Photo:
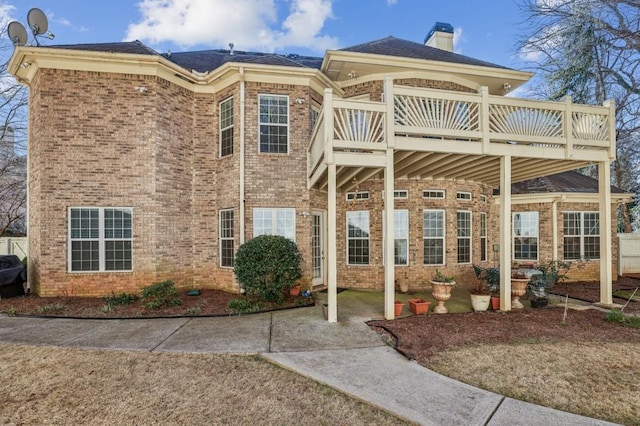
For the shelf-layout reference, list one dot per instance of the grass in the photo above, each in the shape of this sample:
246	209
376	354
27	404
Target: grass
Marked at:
602	384
67	386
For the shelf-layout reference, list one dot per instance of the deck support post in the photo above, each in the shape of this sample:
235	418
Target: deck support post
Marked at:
604	192
505	233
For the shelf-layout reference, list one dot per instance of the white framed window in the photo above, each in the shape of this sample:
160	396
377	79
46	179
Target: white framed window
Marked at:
525	236
274	124
463	196
227	244
433	194
483	198
581	235
280	221
401	194
433	232
360	195
401	237
226	127
100	239
358	237
483	237
463	219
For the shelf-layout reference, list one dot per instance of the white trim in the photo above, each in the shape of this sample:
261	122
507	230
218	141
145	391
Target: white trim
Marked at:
469	238
443	237
291	212
536	236
433	194
463	196
484	237
404	237
260	96
581	236
221	238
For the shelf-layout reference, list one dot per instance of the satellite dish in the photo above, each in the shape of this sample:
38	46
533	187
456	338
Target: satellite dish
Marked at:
37	21
17	33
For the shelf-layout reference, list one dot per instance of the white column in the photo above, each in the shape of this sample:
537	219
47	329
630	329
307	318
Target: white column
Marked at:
606	273
505	233
332	259
388	228
242	159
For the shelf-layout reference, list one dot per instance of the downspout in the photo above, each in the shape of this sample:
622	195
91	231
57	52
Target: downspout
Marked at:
554	225
242	200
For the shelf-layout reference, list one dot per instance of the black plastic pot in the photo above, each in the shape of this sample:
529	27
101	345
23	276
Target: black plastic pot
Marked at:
539	303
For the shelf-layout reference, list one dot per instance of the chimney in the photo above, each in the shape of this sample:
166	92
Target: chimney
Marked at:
440	36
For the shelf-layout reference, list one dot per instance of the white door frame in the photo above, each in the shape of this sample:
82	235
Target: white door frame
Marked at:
318	280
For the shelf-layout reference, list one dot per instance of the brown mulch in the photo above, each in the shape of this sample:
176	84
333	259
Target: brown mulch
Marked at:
420	337
208	303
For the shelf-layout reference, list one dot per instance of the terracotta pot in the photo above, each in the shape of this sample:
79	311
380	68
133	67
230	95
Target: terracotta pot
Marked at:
518	289
480	302
398	306
295	290
495	303
419	306
441	292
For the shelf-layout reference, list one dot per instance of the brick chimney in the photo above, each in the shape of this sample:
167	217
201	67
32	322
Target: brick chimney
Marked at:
440	37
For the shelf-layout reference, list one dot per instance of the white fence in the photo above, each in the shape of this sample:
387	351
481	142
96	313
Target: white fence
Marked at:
629	248
14	245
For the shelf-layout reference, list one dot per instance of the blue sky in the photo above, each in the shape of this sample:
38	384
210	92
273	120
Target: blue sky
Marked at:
484	29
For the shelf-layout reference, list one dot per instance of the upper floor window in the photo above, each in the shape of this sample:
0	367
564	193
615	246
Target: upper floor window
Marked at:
463	196
100	239
433	193
226	127
525	236
581	235
275	222
359	195
274	124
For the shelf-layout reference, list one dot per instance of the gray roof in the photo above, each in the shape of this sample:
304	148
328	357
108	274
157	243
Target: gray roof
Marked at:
207	60
134	47
570	181
392	46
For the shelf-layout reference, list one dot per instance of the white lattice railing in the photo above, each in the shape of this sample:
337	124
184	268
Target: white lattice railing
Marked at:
359	121
516	121
590	126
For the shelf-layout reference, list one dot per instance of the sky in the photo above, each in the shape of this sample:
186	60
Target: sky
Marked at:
484	29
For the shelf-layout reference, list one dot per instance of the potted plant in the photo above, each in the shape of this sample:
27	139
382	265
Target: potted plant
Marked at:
419	306
398	308
519	282
539	285
441	286
480	296
490	276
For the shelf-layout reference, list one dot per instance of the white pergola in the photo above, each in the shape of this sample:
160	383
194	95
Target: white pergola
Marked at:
430	133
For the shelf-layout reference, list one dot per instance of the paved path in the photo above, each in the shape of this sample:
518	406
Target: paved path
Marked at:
347	356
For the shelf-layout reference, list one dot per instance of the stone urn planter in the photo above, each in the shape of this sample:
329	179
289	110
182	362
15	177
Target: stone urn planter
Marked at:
419	306
480	302
518	289
441	292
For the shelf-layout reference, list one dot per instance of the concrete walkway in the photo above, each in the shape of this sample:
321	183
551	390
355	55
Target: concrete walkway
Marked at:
347	356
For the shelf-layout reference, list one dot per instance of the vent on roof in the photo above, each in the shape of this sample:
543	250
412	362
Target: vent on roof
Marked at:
230	48
440	36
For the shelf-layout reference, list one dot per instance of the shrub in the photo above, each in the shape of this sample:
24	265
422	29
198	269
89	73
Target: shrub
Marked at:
242	305
160	294
268	265
120	299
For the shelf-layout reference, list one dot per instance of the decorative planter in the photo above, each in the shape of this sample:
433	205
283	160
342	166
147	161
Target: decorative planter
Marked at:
539	303
495	303
480	302
518	289
441	292
404	286
295	290
398	306
419	306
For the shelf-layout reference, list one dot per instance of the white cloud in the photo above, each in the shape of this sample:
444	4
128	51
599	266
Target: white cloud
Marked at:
249	24
5	14
545	41
391	2
457	40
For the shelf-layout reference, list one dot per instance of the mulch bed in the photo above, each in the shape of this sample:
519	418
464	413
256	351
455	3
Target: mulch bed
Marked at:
208	303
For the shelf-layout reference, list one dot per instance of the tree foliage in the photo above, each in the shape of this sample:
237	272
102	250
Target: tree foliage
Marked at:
590	50
268	265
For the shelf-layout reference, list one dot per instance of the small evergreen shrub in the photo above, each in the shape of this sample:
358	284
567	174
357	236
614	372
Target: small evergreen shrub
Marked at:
242	305
267	266
121	299
160	294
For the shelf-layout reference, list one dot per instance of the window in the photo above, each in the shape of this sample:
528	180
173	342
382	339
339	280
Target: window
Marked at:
226	127
463	196
483	198
581	235
227	251
464	236
358	238
274	124
100	239
275	222
360	195
433	193
433	237
401	194
401	237
525	236
483	237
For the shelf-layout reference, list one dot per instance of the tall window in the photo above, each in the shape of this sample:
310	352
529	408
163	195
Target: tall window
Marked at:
227	249
525	236
464	236
433	237
274	124
358	238
226	127
275	222
483	237
401	237
100	239
581	235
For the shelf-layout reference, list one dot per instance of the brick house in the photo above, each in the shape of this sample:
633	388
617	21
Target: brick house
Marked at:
146	166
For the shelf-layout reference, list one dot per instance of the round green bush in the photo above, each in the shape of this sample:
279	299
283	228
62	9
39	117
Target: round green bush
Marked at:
267	266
